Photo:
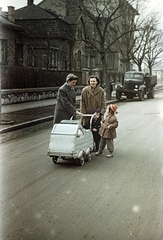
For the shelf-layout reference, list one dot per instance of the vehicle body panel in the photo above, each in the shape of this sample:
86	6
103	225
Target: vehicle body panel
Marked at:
69	139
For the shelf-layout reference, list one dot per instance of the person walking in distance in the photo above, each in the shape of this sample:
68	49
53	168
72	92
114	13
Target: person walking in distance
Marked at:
107	131
66	100
92	98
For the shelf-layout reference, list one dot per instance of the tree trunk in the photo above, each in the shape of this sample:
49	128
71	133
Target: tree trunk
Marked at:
150	69
139	66
105	78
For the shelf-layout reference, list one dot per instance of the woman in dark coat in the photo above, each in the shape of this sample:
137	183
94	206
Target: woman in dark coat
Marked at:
66	100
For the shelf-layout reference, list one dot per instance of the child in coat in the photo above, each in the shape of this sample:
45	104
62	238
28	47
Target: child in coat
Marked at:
95	126
107	131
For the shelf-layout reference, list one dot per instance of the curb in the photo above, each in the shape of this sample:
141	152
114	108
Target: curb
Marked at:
25	124
36	121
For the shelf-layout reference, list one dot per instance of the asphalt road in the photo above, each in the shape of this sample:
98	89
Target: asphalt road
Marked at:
106	199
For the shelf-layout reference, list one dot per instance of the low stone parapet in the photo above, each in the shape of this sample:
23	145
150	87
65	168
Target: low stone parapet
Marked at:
11	96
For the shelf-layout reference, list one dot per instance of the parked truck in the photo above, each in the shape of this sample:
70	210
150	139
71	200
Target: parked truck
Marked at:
136	84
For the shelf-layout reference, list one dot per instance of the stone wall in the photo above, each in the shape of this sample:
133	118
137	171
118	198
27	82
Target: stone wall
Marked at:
32	94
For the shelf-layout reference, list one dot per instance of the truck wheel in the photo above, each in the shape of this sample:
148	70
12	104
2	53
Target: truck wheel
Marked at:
149	95
141	95
118	95
152	93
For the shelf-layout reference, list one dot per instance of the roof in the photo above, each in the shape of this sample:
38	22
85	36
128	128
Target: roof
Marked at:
33	12
71	19
43	23
46	28
4	21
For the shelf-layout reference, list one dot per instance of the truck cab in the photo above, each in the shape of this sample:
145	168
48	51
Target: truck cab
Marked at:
136	84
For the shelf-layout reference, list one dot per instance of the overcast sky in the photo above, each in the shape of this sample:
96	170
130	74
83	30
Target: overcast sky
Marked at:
153	4
15	3
157	6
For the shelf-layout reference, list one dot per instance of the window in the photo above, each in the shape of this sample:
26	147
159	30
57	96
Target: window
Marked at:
3	51
92	62
79	60
79	34
53	61
138	76
64	59
42	58
19	54
86	62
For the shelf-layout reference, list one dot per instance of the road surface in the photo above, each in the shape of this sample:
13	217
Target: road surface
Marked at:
106	199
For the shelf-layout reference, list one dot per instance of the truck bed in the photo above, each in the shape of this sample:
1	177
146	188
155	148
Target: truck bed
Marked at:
151	81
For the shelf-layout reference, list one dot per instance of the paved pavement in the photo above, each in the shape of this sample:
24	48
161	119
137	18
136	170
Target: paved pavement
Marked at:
5	109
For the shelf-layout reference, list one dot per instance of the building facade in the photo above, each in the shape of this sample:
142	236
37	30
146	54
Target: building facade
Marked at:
10	39
52	36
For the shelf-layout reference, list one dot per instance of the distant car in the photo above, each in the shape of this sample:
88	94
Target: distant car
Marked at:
69	140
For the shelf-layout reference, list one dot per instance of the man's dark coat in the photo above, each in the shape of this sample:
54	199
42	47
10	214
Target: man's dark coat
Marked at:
66	103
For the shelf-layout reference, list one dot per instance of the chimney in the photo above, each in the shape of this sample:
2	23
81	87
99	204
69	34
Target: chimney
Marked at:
11	14
30	2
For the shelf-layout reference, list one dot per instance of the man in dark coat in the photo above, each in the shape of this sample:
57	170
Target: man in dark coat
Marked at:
66	100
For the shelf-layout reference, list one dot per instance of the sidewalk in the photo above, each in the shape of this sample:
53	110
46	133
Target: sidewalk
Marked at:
17	116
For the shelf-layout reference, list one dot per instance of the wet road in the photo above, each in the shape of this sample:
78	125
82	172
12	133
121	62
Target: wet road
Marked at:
106	199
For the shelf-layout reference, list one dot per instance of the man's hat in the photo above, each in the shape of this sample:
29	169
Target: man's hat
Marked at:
71	76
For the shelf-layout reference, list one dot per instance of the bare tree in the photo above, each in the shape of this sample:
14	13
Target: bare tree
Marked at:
155	48
129	37
101	23
148	43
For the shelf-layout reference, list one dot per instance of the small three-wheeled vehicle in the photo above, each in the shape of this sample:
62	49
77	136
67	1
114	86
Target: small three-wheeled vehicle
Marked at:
69	140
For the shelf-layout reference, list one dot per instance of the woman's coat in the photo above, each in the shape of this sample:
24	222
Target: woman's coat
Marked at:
106	132
92	100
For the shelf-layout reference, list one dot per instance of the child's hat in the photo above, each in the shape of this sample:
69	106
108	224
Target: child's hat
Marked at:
113	107
96	111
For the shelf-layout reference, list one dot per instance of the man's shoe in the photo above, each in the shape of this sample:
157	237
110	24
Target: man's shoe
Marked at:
98	153
109	155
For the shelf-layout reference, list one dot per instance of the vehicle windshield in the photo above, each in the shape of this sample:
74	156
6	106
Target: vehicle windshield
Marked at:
65	129
138	76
